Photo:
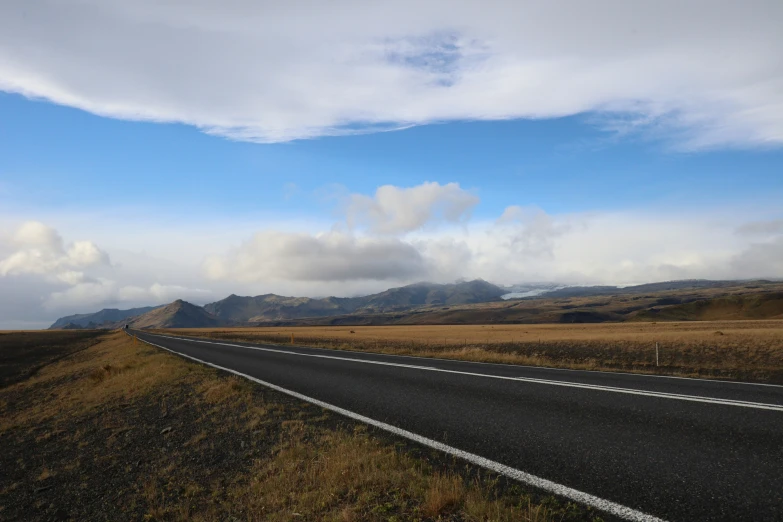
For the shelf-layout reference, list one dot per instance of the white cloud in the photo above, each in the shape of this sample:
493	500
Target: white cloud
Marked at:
523	244
40	250
159	293
395	210
334	256
93	295
529	231
265	71
59	277
42	277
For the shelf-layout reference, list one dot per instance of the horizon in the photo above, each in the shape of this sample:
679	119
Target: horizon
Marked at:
251	150
506	297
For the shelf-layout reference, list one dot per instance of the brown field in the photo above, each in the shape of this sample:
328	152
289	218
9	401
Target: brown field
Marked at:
121	430
749	350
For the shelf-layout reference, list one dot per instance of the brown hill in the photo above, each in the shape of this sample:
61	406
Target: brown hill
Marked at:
98	319
755	300
271	307
757	306
179	314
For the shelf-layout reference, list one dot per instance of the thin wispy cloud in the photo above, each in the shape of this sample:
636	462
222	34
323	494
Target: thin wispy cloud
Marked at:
698	74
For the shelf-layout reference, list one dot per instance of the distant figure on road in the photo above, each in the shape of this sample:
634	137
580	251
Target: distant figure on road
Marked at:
126	326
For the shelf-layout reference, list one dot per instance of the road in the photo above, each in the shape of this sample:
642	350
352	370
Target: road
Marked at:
640	447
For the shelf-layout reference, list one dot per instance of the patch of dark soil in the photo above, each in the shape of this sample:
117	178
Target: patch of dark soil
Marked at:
127	460
581	316
22	354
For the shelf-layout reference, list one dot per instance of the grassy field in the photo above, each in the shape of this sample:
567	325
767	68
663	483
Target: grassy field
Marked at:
112	429
749	350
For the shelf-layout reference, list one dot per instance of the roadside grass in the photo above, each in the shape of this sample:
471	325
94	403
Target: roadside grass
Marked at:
23	353
744	350
122	430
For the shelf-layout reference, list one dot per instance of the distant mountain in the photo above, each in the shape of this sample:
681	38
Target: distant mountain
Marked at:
97	319
179	314
472	302
423	294
271	307
688	284
739	300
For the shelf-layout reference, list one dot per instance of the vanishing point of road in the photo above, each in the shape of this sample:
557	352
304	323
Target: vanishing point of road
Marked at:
639	447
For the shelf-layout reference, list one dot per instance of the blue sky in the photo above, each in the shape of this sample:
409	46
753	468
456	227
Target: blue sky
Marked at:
53	156
201	150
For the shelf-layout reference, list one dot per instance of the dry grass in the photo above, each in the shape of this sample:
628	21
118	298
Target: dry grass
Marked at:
107	372
45	474
750	350
352	476
289	460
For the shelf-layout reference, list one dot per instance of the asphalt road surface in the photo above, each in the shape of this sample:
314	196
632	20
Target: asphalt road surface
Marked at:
640	447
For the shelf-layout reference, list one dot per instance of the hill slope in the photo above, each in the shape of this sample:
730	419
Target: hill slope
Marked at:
759	306
757	300
271	307
674	286
179	314
107	315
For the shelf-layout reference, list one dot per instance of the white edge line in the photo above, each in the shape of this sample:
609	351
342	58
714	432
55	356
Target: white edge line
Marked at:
607	372
532	380
607	506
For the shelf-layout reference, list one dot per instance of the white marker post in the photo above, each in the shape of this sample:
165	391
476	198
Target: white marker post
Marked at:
656	354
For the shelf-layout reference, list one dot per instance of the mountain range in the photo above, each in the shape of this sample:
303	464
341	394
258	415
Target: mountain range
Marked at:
106	317
472	302
236	309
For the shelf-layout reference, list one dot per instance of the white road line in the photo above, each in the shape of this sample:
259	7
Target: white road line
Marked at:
532	380
575	370
607	506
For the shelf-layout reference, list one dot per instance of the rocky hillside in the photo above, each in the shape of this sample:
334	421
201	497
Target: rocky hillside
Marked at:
98	319
271	307
179	314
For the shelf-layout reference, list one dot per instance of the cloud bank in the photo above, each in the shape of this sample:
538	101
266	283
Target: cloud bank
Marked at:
696	74
42	276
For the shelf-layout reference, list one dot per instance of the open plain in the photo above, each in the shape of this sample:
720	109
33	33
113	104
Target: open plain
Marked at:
744	350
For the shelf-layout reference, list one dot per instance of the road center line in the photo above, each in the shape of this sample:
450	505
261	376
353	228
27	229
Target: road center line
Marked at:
618	510
532	380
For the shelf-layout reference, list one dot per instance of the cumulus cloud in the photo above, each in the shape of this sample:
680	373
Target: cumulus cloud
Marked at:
529	231
332	256
396	210
271	72
523	244
40	250
42	276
